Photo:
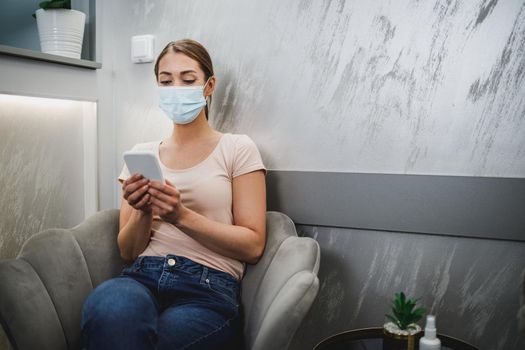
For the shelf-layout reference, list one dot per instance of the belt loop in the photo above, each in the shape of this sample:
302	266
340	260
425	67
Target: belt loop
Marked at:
204	275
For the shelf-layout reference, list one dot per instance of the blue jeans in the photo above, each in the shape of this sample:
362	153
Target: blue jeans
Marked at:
164	303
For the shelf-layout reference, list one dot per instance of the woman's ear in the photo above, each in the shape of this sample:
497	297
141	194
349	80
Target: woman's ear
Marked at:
210	87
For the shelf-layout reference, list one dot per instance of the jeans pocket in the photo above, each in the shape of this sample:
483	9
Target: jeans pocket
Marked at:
227	293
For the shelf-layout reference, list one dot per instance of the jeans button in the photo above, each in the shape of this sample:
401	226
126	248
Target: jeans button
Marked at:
171	262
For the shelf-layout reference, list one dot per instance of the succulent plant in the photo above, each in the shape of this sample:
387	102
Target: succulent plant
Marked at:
404	314
54	4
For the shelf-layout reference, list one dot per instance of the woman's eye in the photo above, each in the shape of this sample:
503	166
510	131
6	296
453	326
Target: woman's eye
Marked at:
165	82
189	81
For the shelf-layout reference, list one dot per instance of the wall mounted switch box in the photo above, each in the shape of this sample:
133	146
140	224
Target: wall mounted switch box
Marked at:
142	47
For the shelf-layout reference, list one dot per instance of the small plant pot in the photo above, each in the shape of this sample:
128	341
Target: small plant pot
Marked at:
61	31
397	339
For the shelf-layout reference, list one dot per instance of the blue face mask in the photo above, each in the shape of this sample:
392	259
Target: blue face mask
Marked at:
182	104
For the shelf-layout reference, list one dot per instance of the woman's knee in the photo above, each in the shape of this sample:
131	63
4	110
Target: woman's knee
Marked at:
188	327
119	300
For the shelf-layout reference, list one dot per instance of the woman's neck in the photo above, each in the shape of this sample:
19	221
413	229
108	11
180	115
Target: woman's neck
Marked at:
199	129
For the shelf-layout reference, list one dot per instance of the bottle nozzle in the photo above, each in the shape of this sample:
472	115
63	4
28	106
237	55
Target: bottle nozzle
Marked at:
430	327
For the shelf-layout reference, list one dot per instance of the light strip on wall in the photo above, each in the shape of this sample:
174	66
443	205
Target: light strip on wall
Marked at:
89	131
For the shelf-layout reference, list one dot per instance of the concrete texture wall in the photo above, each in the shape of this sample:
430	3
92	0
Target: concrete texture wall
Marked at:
471	285
405	87
42	173
419	87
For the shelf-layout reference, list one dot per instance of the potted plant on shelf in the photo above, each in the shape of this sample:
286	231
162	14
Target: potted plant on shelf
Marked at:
61	29
402	332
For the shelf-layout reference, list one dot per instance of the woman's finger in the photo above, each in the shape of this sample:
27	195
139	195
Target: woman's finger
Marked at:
170	199
136	196
131	179
134	186
170	190
143	203
163	206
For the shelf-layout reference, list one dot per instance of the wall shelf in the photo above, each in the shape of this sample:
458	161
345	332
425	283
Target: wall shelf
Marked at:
40	56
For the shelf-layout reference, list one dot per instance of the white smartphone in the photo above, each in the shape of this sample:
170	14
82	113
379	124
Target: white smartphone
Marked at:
144	163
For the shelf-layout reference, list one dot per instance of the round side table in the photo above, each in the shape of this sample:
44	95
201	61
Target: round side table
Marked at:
372	339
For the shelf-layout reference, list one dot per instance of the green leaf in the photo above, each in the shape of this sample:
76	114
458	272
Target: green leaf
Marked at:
399	315
391	318
55	4
397	302
420	311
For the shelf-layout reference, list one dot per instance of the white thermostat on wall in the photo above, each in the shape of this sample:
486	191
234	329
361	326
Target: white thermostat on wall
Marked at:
142	47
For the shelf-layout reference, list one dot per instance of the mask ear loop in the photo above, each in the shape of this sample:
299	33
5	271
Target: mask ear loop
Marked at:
207	110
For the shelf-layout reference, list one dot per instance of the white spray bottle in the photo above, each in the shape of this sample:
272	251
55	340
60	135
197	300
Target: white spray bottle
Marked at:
429	341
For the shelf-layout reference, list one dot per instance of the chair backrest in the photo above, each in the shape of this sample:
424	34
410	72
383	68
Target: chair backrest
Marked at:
44	288
278	291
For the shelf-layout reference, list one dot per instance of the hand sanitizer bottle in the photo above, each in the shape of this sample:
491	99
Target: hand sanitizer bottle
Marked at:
429	340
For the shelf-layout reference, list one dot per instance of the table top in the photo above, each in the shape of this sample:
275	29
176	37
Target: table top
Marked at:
372	339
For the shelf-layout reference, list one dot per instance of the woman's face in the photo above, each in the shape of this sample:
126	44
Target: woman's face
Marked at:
177	69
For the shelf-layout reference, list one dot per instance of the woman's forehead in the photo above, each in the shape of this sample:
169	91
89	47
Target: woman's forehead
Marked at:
177	62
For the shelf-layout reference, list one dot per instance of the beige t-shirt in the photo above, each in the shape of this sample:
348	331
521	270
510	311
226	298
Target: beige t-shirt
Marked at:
205	188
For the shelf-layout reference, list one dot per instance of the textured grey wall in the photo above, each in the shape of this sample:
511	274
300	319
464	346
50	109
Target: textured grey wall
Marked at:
472	285
42	173
405	87
419	87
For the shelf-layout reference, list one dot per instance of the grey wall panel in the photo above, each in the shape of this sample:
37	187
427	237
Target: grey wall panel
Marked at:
472	285
447	205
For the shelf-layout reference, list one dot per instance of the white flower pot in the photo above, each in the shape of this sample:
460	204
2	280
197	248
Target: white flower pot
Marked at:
61	31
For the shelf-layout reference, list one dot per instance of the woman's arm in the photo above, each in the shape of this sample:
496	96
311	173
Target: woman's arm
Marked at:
244	240
135	218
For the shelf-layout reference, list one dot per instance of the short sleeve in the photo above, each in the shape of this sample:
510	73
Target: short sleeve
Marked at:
247	157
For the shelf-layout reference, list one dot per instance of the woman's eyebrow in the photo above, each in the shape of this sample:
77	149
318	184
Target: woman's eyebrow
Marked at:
183	72
188	71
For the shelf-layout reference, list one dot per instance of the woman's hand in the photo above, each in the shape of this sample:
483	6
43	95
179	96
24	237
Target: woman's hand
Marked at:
135	192
165	201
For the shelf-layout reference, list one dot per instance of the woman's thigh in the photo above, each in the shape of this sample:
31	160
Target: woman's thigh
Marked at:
196	326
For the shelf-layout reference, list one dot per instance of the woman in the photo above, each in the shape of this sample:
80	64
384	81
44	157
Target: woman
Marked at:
189	238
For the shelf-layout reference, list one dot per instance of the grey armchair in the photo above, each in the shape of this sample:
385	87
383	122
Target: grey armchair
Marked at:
42	291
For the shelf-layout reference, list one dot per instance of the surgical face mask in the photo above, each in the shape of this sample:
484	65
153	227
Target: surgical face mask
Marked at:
182	104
